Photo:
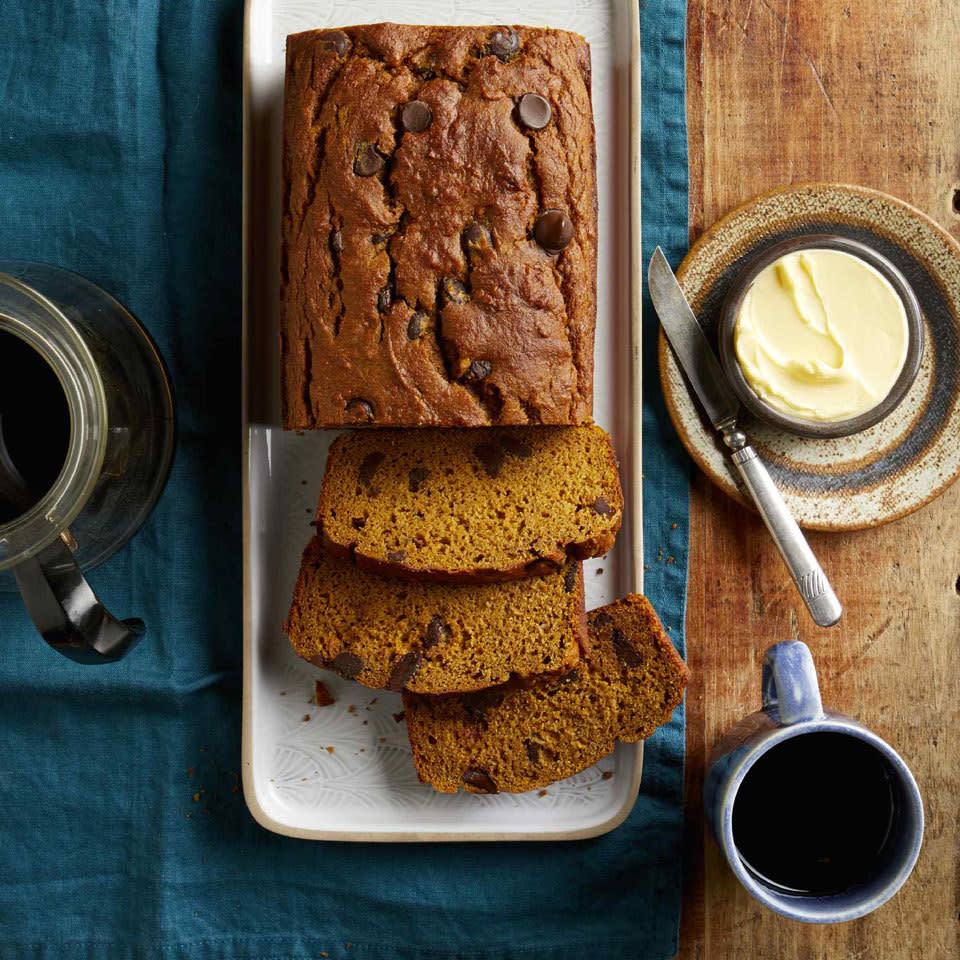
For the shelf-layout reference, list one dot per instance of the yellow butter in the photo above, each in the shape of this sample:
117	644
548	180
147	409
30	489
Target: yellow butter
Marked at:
822	335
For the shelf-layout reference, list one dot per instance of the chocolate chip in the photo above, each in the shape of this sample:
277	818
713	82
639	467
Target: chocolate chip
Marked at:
540	567
480	781
453	291
533	111
416	478
368	160
437	631
415	325
561	682
553	230
358	523
416	116
516	446
601	619
533	750
384	299
477	371
476	237
336	242
602	507
491	455
404	670
359	410
369	467
476	705
626	652
503	43
347	664
396	556
570	577
335	40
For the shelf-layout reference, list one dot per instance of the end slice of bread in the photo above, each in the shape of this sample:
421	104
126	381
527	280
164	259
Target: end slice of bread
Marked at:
519	738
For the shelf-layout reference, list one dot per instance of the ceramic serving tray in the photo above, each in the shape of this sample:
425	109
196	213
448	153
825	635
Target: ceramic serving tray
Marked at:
344	772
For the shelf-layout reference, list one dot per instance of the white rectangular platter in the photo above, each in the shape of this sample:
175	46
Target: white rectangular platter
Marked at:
344	772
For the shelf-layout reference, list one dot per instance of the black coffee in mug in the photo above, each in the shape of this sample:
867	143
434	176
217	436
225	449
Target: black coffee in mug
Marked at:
815	815
34	424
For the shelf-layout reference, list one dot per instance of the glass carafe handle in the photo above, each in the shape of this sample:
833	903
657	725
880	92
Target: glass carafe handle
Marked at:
68	613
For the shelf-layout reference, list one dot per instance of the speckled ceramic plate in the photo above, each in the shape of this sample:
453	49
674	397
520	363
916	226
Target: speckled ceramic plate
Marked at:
908	458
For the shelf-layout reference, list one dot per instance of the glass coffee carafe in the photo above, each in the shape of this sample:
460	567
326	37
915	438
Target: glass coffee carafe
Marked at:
86	441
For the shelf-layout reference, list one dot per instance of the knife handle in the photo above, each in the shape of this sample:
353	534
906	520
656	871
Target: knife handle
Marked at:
807	574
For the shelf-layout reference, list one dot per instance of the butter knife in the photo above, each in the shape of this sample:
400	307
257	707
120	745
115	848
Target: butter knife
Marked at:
697	359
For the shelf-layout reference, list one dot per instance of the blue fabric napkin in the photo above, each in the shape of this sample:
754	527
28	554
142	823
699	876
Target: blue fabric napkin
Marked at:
124	833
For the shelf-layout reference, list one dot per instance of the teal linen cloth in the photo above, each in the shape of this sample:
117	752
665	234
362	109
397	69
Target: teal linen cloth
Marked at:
120	153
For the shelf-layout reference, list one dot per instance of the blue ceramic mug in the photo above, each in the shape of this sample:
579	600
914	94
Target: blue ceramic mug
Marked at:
774	802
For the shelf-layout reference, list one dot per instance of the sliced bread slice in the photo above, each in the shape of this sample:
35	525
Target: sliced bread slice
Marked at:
523	737
434	637
469	506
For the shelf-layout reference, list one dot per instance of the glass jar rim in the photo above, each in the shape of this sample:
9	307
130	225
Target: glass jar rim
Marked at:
29	315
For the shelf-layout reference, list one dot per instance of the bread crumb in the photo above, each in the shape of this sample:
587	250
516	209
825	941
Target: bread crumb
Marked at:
283	693
400	717
196	798
607	774
542	793
236	789
190	771
673	526
599	571
329	749
351	709
321	695
306	717
671	560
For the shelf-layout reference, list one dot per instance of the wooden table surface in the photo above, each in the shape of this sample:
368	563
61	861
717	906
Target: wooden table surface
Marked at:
865	92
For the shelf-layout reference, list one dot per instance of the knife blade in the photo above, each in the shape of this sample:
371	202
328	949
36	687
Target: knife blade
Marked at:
697	359
689	343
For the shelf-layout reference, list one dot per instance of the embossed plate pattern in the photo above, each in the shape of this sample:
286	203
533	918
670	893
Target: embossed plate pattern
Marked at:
345	771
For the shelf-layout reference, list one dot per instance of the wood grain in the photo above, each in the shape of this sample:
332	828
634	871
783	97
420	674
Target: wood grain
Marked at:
784	91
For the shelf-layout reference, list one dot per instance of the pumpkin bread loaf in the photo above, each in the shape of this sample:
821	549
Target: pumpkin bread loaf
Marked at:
439	227
434	637
470	506
522	737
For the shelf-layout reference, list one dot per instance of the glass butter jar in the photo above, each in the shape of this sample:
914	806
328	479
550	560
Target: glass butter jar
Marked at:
119	446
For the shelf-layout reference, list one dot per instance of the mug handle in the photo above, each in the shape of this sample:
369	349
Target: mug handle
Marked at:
789	685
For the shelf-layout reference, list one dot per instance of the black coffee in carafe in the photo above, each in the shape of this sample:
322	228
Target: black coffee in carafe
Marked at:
34	426
814	816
